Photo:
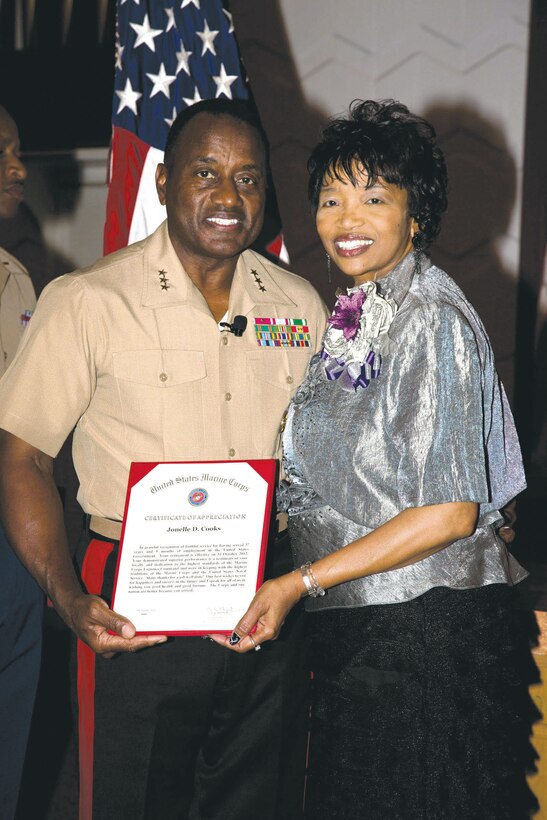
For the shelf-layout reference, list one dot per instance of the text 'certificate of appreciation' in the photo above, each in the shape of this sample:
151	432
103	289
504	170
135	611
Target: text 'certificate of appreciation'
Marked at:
193	544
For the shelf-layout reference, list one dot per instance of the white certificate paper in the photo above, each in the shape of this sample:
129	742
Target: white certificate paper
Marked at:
193	544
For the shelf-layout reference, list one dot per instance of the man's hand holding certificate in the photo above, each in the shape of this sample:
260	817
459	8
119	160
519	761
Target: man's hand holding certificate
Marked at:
193	544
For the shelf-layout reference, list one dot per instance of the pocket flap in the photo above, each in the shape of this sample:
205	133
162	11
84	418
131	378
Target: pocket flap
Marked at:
159	368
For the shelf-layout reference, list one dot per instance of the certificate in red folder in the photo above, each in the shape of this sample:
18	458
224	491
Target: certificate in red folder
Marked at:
193	544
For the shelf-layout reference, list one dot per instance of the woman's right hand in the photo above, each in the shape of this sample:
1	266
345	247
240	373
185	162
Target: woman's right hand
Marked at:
266	613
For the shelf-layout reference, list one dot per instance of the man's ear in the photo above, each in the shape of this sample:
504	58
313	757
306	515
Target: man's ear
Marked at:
161	181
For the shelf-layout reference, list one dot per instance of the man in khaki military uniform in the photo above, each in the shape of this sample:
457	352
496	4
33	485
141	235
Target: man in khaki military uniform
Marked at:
17	297
21	600
17	303
132	354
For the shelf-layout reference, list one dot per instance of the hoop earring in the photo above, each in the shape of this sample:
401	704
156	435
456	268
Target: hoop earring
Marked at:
329	278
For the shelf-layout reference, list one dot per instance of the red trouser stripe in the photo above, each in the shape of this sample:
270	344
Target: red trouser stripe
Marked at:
92	575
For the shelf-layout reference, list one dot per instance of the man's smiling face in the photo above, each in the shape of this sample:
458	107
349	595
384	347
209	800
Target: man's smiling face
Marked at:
214	188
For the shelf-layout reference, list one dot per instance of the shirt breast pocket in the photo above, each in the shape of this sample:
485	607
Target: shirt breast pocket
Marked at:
274	375
160	394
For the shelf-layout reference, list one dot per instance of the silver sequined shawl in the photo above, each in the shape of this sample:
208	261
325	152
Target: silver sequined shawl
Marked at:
435	427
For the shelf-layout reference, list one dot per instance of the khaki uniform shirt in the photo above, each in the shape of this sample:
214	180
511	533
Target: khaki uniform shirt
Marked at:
17	303
128	353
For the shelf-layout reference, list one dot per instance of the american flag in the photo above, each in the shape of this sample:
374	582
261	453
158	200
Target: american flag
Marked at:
169	55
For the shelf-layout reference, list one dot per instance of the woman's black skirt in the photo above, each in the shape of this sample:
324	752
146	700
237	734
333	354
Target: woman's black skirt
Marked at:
421	710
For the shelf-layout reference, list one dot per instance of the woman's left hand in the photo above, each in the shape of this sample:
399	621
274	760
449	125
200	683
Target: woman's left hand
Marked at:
266	614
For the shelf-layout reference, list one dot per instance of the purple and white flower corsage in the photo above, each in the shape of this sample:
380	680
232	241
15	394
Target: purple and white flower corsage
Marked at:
356	336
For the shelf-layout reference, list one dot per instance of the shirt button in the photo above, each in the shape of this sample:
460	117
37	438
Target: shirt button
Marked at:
231	452
228	396
290	379
224	340
163	377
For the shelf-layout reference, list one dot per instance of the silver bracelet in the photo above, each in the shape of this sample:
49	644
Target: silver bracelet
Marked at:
312	587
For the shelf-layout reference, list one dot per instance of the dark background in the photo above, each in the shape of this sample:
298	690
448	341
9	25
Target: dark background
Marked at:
59	85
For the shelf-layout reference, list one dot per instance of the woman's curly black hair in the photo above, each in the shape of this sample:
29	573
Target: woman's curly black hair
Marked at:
386	140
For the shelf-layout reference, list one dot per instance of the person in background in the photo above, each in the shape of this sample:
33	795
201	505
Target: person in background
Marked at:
17	296
400	451
131	353
21	599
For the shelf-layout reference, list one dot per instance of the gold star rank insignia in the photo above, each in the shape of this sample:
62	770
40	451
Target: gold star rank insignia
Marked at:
164	281
258	281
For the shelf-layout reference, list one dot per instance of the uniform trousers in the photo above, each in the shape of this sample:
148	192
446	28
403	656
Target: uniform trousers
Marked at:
188	729
21	613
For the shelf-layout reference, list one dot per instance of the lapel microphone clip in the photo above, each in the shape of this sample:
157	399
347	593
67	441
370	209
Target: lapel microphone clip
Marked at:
237	327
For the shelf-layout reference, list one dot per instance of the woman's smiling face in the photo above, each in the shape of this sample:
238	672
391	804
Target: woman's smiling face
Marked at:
367	231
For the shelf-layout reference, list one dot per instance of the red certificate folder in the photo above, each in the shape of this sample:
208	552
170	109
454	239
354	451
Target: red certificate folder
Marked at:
193	544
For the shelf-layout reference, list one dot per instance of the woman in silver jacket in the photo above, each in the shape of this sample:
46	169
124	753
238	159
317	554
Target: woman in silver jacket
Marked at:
399	452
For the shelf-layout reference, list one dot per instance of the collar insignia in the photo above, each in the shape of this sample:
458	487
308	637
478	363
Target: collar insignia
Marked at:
164	280
258	281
